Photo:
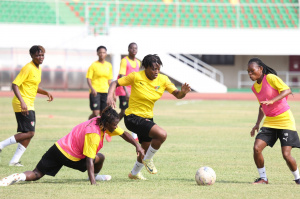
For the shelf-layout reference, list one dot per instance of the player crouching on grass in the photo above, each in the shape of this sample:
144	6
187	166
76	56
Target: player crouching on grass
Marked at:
78	150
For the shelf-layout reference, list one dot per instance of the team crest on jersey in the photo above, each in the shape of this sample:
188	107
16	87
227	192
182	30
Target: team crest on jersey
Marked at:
95	105
124	103
32	123
156	88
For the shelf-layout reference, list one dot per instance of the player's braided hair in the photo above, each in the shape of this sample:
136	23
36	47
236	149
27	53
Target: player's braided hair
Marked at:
108	115
149	60
36	48
266	69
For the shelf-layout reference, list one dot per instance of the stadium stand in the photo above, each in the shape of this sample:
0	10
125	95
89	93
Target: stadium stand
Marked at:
157	13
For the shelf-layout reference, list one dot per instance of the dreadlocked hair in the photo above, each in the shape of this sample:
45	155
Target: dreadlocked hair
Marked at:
108	115
149	60
266	69
36	48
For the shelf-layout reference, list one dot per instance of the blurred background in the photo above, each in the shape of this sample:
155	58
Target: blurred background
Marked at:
206	43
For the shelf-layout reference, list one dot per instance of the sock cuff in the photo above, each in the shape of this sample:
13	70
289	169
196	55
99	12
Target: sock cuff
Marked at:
22	176
152	149
12	139
139	163
21	147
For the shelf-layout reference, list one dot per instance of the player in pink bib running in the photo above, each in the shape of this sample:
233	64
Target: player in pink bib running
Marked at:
279	123
78	150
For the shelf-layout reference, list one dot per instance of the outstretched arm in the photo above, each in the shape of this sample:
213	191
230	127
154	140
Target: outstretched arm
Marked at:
282	95
43	92
128	138
259	118
185	88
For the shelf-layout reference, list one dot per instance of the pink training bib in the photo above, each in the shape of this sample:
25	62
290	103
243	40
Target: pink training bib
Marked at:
73	142
267	92
129	69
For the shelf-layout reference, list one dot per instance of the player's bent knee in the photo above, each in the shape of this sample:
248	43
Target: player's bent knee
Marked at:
257	149
163	136
100	158
286	155
31	134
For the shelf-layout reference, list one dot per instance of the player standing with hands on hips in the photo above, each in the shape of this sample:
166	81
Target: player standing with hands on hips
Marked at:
279	123
25	87
147	86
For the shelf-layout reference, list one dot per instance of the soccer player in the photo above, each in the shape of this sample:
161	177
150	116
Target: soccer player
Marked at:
147	86
279	123
78	150
128	64
25	87
99	76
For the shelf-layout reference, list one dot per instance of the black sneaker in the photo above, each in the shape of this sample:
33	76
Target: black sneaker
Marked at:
297	181
260	181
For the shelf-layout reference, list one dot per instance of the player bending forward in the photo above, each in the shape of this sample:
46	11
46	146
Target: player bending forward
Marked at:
78	150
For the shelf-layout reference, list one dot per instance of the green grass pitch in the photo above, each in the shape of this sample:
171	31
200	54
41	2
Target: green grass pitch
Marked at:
200	133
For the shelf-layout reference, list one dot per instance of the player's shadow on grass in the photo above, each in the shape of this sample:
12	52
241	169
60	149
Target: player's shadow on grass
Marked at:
235	182
218	181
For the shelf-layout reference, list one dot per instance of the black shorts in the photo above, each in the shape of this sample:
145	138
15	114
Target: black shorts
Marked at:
98	102
286	137
139	125
123	102
53	160
25	122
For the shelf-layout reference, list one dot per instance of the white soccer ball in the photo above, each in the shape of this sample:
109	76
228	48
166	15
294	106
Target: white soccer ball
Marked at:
205	176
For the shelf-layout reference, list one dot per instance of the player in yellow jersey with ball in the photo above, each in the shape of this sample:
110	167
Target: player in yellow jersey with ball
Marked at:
147	86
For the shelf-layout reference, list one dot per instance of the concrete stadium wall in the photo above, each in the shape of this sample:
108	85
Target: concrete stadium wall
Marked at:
273	46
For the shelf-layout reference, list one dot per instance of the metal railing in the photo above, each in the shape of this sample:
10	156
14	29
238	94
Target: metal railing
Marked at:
200	66
291	78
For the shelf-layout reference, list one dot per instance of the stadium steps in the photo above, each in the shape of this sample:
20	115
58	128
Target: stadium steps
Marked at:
183	73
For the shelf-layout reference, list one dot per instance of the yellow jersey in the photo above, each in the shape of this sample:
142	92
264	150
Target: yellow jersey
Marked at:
99	74
123	65
145	92
28	81
284	120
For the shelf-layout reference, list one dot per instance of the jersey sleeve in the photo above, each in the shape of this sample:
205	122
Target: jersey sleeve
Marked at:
22	76
123	67
170	87
117	131
90	72
127	80
91	143
277	83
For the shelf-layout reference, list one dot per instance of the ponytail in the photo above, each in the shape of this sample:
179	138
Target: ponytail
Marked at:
266	69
